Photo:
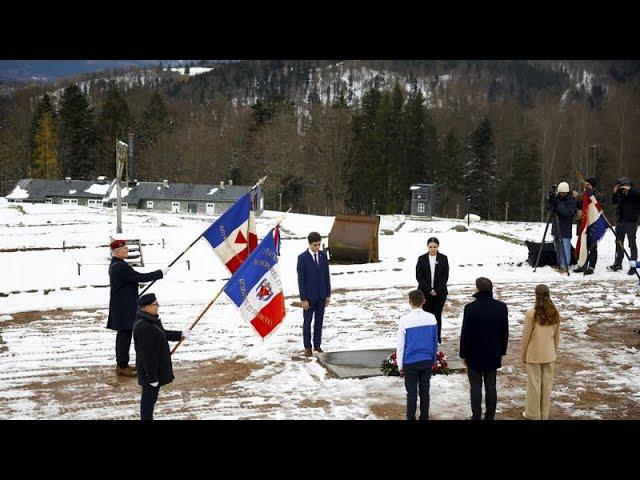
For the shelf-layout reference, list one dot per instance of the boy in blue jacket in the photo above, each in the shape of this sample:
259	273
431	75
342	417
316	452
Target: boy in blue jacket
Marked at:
416	351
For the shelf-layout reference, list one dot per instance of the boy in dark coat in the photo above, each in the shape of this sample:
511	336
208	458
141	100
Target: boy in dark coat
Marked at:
153	358
122	302
483	343
314	285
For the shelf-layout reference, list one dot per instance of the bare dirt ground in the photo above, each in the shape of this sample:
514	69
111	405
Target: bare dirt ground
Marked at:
58	364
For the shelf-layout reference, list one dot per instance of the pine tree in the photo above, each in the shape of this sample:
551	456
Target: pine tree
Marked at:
43	107
155	122
389	131
45	160
479	176
450	170
365	183
78	135
114	120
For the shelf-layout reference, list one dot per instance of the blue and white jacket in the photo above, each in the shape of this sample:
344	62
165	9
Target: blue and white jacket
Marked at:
417	338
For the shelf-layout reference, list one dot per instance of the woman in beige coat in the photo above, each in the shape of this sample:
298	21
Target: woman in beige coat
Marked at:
540	339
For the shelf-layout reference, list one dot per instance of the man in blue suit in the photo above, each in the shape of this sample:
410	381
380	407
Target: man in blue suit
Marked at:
315	291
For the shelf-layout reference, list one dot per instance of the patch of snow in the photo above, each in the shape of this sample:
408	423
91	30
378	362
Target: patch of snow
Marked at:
18	193
72	192
192	70
213	190
98	189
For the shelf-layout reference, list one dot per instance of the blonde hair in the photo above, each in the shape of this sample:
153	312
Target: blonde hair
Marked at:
545	312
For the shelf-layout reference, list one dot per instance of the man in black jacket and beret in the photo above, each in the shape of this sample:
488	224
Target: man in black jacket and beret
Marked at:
124	281
153	358
483	343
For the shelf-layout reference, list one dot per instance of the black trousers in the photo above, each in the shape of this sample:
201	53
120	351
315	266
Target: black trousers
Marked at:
148	401
123	344
435	305
629	229
416	378
491	395
592	258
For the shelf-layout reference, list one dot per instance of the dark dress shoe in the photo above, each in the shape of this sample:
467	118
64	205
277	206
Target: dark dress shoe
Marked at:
614	268
632	271
308	352
578	270
126	371
319	350
588	271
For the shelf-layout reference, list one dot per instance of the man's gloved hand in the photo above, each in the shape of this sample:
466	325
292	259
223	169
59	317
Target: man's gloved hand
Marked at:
186	334
165	271
154	384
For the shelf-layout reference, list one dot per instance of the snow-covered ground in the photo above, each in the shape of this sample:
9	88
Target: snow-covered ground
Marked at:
56	357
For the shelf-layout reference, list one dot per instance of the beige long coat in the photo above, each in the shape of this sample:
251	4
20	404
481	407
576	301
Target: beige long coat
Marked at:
539	342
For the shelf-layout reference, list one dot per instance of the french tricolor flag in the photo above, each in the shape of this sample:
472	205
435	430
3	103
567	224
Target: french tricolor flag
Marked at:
593	226
233	236
256	288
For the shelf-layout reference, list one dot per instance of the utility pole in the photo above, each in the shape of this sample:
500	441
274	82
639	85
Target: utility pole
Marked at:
122	150
280	195
506	212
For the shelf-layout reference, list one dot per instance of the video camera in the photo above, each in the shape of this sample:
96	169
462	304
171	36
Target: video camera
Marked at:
553	191
623	182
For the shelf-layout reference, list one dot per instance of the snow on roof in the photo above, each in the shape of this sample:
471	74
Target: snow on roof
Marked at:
213	190
98	189
72	192
18	193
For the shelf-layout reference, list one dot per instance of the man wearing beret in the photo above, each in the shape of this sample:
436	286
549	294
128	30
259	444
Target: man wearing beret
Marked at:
153	359
124	282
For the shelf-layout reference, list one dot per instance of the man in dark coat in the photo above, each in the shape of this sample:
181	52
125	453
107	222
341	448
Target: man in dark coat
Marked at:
563	208
435	292
627	199
314	285
123	302
483	343
153	358
588	268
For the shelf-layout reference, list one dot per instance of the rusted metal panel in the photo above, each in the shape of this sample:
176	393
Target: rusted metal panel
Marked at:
354	239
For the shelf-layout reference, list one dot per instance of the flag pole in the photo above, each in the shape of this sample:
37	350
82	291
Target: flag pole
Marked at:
257	184
581	178
213	300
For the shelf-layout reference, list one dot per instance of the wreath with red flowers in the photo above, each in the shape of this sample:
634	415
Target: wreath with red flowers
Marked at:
389	365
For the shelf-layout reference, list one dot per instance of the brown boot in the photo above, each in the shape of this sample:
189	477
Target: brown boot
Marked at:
319	350
308	352
126	371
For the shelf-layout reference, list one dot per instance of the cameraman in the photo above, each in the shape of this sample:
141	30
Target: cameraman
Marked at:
628	200
563	208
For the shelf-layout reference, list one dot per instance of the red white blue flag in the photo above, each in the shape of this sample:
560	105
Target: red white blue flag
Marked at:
593	226
233	236
255	288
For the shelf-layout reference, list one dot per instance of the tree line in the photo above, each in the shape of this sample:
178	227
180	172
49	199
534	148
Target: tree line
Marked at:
483	147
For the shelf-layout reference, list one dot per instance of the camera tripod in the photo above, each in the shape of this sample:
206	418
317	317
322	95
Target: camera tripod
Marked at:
553	216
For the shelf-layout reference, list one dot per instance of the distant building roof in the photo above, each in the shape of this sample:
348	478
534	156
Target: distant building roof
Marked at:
178	191
37	189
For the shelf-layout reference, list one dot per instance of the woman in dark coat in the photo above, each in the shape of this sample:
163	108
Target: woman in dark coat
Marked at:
432	273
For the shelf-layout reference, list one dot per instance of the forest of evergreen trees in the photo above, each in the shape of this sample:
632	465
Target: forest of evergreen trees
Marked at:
495	133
